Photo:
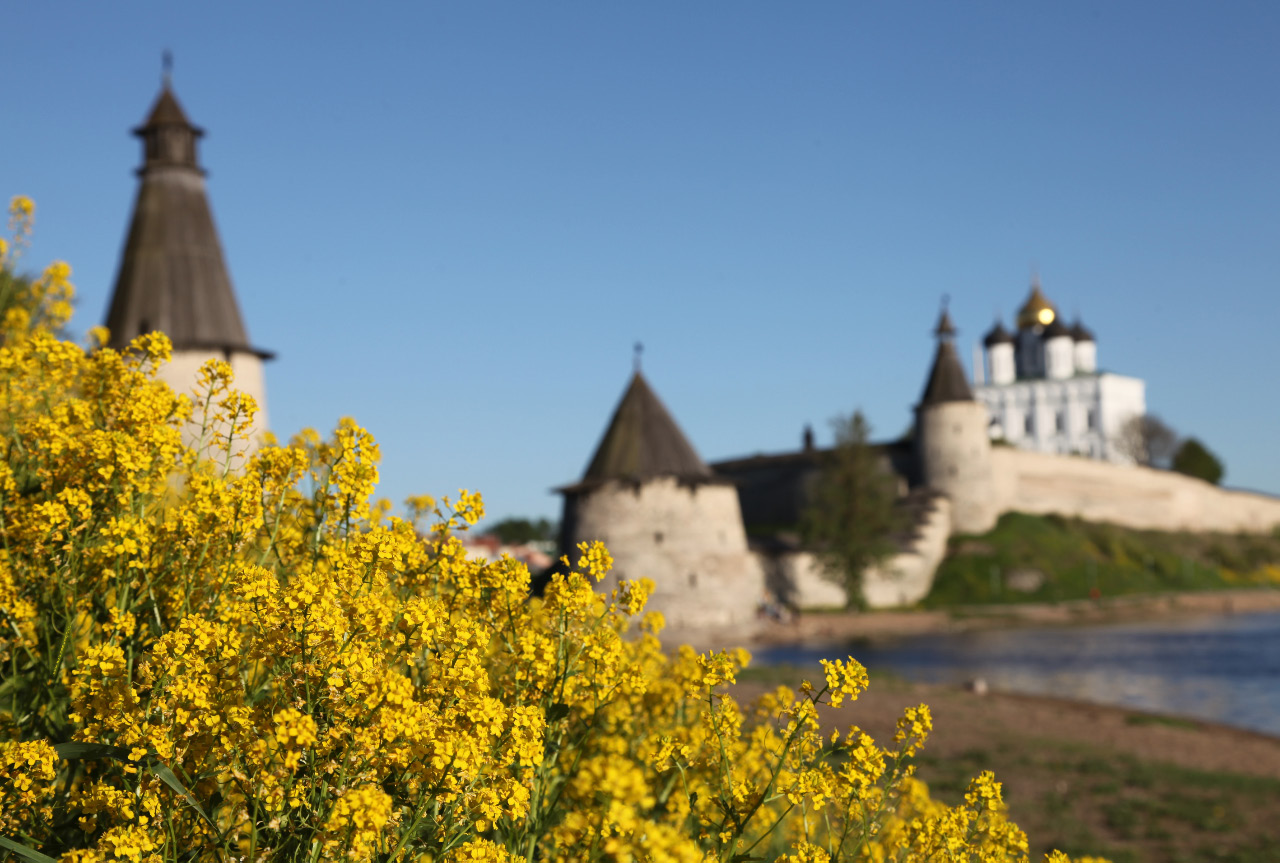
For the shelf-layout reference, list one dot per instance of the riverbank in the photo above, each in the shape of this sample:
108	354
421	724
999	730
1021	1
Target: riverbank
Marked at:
837	628
1082	777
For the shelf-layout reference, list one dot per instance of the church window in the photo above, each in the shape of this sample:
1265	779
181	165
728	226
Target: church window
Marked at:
1031	424
1060	421
657	537
693	579
1093	419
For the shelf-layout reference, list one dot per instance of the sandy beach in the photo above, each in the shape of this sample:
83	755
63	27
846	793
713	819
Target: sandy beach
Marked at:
834	628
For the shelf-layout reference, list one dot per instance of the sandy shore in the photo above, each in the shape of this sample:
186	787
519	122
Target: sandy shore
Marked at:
819	629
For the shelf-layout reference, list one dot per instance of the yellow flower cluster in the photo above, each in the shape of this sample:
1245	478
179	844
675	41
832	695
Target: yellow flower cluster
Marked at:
209	653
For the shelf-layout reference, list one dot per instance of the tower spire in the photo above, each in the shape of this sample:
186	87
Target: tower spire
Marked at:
166	69
172	275
945	329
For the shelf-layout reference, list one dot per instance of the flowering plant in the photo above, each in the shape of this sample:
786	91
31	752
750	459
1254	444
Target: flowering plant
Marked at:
215	653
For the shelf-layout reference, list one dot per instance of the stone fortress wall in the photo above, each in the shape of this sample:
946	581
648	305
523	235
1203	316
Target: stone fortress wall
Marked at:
1127	495
688	538
182	371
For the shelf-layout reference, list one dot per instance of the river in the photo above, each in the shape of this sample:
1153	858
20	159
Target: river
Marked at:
1222	669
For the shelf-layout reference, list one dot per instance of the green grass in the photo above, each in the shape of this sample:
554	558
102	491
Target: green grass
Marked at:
1090	800
1079	558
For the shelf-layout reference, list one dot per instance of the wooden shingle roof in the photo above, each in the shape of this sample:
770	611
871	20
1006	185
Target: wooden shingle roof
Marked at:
947	381
172	276
643	442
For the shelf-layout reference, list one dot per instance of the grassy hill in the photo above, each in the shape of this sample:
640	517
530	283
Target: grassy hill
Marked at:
1028	558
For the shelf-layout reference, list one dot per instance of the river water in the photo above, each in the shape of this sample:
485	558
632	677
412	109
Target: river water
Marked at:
1222	669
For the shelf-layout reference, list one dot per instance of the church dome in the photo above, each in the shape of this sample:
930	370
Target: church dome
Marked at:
998	335
1081	333
1036	311
1055	329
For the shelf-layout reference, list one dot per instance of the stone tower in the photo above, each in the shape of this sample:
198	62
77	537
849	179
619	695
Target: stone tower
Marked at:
172	275
953	444
665	516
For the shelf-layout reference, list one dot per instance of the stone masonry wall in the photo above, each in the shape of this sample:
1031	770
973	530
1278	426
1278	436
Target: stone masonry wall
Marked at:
181	371
1126	495
688	539
903	579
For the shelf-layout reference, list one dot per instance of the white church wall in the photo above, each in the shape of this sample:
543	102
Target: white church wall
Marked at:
1077	416
1121	398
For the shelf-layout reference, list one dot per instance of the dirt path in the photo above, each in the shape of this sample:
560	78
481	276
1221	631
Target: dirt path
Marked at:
1088	778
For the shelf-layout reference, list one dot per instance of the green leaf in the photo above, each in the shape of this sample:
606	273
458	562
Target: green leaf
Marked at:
166	776
72	751
557	711
24	852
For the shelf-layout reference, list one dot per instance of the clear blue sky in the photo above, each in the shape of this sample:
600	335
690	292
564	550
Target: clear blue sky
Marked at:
452	221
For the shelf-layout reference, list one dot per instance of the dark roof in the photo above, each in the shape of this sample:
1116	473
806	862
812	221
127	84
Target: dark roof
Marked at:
643	442
166	112
945	327
998	335
172	275
947	380
1055	329
1081	333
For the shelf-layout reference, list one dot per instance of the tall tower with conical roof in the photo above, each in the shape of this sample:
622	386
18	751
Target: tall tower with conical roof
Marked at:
953	445
172	276
665	515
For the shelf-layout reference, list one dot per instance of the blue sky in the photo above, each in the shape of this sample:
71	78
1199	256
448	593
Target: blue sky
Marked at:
452	221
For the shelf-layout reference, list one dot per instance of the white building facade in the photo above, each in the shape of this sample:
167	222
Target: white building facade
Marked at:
1043	390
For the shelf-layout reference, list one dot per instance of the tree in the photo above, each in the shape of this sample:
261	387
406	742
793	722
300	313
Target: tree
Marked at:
1195	459
852	512
1148	440
518	531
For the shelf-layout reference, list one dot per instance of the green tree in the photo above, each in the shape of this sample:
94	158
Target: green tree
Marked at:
517	531
1195	459
853	510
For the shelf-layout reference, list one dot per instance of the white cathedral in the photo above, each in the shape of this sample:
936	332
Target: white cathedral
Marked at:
1043	390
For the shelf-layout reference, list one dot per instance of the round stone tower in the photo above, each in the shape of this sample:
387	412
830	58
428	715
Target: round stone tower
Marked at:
172	277
953	443
664	515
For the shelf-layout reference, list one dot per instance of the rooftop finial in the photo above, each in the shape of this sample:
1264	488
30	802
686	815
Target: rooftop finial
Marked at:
166	68
945	328
639	349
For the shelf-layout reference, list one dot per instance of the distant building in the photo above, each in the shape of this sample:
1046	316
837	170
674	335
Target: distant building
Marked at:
653	501
1043	390
172	275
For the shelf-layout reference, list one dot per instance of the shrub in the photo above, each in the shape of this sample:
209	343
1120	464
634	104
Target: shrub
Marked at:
1194	459
211	656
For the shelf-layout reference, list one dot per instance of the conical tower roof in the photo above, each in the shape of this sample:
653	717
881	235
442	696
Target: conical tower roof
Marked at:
172	275
643	442
947	380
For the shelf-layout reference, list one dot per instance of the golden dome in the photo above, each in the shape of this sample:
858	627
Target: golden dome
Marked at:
1036	311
